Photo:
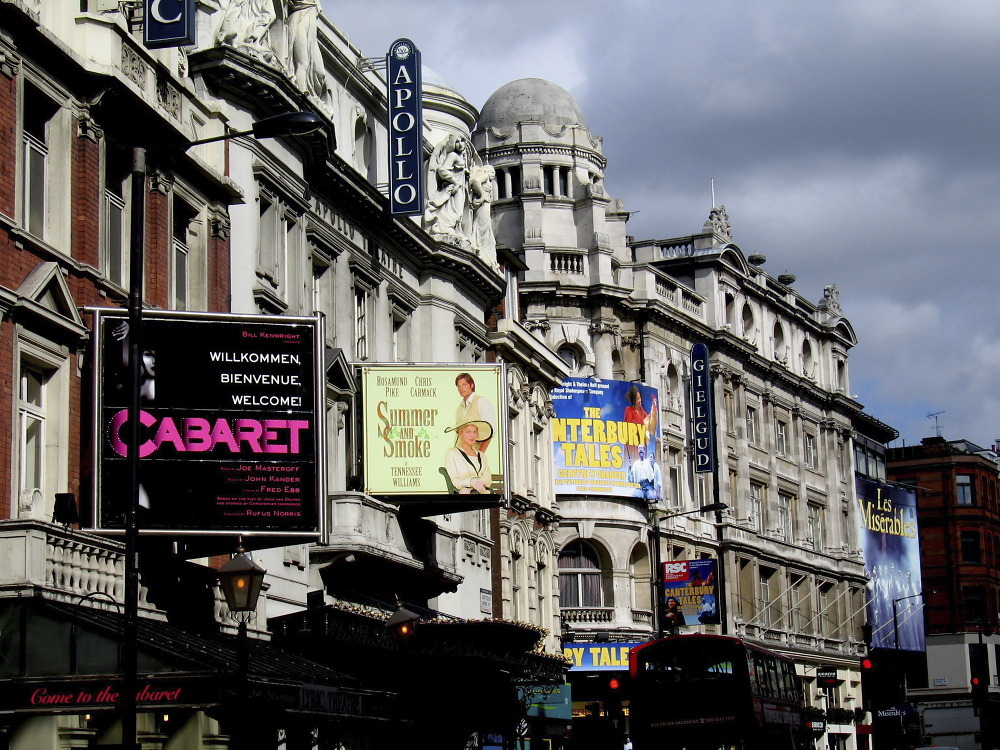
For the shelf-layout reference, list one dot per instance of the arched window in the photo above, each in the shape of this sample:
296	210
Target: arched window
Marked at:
639	573
569	354
780	346
748	322
580	576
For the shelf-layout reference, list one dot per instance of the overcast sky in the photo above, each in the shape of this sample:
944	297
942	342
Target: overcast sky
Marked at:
853	142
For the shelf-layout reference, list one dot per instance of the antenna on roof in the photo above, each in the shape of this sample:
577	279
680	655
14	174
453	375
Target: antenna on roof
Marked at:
937	422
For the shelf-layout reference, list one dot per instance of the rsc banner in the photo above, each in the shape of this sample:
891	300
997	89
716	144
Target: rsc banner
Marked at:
433	430
887	529
231	436
606	434
690	593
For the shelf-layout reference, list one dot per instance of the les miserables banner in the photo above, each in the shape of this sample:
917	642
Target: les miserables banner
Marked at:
231	423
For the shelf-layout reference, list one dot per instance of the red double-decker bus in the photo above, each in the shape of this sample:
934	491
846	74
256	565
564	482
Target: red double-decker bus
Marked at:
711	692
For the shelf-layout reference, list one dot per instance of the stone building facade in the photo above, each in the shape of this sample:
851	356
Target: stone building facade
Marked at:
616	308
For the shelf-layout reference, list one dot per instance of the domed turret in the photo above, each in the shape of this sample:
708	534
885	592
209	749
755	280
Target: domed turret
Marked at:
530	99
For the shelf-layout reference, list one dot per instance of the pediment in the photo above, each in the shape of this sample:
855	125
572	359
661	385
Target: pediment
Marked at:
45	297
339	373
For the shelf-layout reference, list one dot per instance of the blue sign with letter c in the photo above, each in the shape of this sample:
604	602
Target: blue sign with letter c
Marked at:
168	23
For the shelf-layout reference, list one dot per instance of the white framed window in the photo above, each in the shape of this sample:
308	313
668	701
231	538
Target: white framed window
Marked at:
781	437
116	228
816	526
755	506
580	576
44	158
785	505
963	490
41	426
31	425
753	424
765	610
809	451
362	305
673	477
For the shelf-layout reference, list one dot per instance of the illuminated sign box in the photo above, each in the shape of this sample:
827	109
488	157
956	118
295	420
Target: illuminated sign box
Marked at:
606	437
232	427
411	420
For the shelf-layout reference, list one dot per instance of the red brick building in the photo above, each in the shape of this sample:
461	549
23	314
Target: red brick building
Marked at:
957	484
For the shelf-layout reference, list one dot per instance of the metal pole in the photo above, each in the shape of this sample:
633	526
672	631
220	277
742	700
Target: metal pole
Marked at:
130	649
657	576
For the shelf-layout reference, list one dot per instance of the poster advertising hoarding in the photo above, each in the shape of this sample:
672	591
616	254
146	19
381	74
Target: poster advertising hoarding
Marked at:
690	593
231	418
887	529
433	430
606	435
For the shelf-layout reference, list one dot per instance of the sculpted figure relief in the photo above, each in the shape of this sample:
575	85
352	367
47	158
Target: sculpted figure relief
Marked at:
245	26
306	58
459	196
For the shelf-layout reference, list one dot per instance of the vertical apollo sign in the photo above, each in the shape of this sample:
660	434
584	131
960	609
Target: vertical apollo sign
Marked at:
406	163
703	410
168	23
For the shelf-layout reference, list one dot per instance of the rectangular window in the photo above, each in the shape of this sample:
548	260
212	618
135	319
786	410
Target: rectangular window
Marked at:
536	462
785	505
781	438
564	181
809	447
549	180
31	419
38	115
755	506
753	426
117	192
361	302
816	527
963	490
970	547
765	612
180	260
673	477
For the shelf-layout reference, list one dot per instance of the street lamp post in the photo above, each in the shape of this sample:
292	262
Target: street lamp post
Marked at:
291	123
658	575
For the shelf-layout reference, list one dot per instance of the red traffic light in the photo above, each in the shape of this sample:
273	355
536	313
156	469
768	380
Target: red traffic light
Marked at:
614	683
975	682
867	665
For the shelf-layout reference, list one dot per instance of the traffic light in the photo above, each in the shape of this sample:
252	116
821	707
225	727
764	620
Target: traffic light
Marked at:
869	681
615	692
979	670
881	680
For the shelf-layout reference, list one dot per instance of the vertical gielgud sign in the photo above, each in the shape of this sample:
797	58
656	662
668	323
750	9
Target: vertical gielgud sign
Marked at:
231	423
703	410
406	154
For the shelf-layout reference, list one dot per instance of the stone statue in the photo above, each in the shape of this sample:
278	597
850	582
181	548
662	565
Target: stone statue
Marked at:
448	188
481	182
718	223
307	66
460	190
245	26
831	301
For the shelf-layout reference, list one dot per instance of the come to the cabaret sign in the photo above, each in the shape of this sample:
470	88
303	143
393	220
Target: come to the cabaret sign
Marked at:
409	421
606	435
169	23
406	155
703	417
231	426
887	528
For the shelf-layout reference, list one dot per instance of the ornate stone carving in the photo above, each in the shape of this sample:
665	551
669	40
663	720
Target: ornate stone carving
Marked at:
87	127
245	27
220	224
600	327
168	97
831	301
718	224
307	67
539	324
133	66
460	190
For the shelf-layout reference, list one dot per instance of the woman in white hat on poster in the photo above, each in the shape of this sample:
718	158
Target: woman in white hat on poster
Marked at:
466	463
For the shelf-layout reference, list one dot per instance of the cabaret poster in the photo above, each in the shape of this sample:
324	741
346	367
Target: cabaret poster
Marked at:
606	436
433	430
231	426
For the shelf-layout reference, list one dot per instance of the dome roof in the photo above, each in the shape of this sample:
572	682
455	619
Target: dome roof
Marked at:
532	99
